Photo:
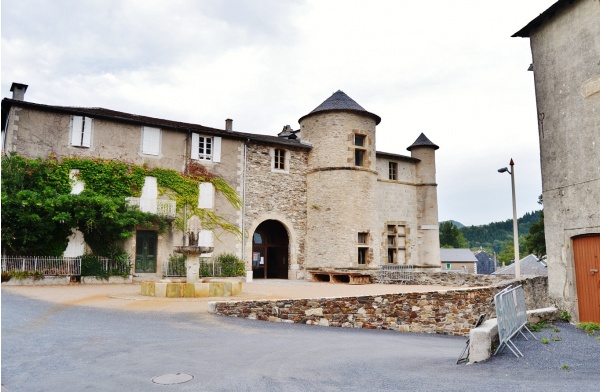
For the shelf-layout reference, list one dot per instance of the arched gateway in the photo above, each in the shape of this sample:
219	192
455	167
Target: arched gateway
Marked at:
270	251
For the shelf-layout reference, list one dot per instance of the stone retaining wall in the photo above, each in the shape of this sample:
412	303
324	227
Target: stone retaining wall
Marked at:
451	312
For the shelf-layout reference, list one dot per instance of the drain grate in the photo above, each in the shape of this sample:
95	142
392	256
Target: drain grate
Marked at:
170	379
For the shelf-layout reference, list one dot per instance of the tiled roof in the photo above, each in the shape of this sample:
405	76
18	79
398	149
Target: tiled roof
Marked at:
340	102
129	118
448	255
422	141
529	265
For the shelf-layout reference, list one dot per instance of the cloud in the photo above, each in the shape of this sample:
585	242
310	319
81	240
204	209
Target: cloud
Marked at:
448	69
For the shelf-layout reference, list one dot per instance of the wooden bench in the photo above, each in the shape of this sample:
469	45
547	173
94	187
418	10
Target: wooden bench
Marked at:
350	277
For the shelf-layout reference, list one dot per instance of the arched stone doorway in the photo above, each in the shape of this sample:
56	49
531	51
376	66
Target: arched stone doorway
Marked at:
270	250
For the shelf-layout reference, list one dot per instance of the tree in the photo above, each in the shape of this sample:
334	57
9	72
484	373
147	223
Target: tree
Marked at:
451	236
535	240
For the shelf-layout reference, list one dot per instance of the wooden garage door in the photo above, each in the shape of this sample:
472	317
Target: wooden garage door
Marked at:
586	253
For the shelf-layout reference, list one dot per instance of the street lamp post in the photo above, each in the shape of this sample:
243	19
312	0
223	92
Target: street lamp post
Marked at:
515	223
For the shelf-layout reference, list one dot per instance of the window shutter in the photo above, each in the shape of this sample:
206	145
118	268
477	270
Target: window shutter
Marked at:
151	140
205	238
76	126
206	197
195	146
87	132
216	149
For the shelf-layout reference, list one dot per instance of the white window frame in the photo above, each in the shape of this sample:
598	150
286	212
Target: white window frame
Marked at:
151	140
215	143
81	131
286	160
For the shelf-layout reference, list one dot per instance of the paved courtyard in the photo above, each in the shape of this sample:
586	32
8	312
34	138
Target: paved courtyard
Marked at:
109	338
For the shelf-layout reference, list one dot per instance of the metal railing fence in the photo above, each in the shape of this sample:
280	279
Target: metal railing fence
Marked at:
48	265
512	317
395	273
60	266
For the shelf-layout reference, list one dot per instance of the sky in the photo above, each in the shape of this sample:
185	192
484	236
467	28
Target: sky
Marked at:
448	69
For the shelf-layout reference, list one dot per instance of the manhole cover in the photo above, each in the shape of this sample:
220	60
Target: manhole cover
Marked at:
169	379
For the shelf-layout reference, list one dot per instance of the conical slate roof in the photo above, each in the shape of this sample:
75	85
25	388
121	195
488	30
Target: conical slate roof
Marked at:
422	141
339	101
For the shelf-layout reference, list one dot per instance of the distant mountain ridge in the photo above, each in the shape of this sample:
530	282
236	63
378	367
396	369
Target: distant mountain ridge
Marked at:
495	234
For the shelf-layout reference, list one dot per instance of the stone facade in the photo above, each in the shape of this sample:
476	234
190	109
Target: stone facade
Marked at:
565	51
278	195
321	196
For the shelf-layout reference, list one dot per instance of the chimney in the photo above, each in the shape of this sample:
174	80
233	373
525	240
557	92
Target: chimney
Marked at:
18	90
229	124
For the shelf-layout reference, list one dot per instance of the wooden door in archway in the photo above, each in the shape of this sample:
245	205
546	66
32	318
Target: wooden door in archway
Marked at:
270	249
586	255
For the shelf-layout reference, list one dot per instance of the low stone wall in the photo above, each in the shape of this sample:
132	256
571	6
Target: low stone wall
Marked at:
451	312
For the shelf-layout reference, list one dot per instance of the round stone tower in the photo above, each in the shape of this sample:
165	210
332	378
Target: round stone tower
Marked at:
428	236
342	228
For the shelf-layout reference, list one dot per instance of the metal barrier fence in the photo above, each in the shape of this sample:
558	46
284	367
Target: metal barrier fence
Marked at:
394	273
48	265
60	266
512	317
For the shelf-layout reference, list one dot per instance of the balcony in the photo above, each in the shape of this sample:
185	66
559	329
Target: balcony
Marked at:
163	208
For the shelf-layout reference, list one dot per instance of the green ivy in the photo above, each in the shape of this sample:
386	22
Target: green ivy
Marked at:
36	200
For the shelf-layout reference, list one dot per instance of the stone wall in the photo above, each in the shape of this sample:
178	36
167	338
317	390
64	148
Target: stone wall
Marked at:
449	312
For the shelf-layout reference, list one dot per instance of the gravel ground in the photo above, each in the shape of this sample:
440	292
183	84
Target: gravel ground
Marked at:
568	350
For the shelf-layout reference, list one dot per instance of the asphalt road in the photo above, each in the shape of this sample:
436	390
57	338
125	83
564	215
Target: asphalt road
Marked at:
57	347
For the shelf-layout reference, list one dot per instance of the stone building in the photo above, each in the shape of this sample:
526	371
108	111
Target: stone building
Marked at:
565	47
317	197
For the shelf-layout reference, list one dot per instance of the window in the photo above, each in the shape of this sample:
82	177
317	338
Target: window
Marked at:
206	148
363	241
359	153
396	242
393	171
448	266
150	141
81	131
359	140
359	157
279	162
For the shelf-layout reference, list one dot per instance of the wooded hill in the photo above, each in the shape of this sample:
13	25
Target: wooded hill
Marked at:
494	235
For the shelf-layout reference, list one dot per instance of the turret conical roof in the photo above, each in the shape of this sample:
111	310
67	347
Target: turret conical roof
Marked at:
422	141
340	102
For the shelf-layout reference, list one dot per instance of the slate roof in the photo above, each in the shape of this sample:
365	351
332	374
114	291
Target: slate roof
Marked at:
129	118
340	102
529	265
448	255
485	263
422	141
537	22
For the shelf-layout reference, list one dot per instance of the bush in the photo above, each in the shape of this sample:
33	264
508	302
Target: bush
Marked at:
177	265
230	265
91	265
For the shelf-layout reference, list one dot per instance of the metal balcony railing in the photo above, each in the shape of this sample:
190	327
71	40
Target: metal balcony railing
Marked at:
164	208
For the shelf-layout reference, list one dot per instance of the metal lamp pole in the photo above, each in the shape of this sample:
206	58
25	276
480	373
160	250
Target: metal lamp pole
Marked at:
515	223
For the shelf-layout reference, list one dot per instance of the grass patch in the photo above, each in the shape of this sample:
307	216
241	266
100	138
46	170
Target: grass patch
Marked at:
589	327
